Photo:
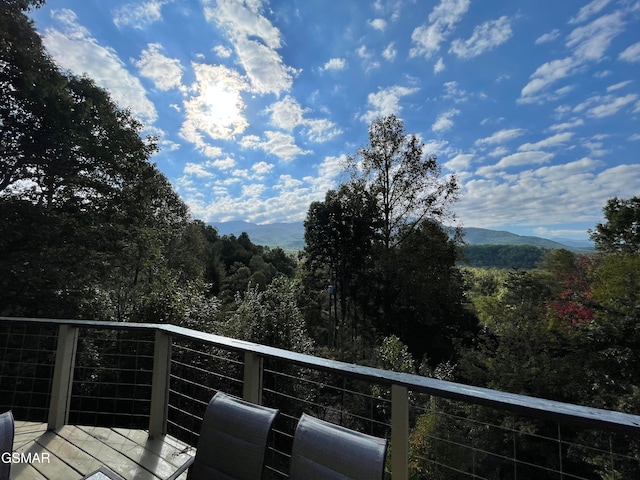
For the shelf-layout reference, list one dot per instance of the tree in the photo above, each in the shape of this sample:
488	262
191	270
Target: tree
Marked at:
30	87
89	214
409	190
406	183
270	317
621	231
339	235
428	310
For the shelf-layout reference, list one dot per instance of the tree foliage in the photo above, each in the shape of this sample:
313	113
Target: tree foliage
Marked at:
389	264
406	183
621	231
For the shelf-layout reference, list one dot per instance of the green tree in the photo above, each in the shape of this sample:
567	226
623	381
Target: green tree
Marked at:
409	190
339	235
270	317
406	183
621	231
428	310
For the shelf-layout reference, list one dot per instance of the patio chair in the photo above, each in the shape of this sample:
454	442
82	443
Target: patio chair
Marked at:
233	441
322	450
6	443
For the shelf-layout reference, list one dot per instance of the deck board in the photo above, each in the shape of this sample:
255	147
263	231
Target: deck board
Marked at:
75	451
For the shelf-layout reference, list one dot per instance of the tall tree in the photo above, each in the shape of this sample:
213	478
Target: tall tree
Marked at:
339	235
621	231
409	190
407	183
30	85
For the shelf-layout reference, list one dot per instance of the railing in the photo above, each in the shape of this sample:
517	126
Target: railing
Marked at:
160	377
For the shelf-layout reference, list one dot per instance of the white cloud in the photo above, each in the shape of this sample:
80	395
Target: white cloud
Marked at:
439	66
288	114
278	144
631	53
426	38
265	69
262	168
516	160
222	51
286	201
165	72
553	141
255	40
223	163
138	15
335	64
599	106
74	49
454	93
197	170
367	58
591	41
546	196
444	121
588	44
548	73
619	85
460	162
499	151
500	136
611	105
548	37
390	52
244	20
216	109
589	10
635	137
567	125
378	24
484	37
386	101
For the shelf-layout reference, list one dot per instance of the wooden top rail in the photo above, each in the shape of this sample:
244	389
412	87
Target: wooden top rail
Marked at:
522	404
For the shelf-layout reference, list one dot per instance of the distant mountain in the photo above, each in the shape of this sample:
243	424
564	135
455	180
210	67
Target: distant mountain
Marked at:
483	236
290	236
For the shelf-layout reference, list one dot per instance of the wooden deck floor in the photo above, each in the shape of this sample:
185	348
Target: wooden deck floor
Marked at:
74	451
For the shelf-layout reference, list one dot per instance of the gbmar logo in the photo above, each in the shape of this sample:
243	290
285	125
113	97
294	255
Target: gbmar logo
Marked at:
30	457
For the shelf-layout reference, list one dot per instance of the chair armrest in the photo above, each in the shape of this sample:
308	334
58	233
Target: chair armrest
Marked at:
182	469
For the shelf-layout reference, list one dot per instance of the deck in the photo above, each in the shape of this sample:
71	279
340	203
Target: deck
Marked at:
71	452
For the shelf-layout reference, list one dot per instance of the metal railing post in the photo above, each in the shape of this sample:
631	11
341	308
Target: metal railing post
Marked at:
160	385
63	376
399	432
252	388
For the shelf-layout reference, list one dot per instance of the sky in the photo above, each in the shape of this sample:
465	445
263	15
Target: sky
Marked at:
534	105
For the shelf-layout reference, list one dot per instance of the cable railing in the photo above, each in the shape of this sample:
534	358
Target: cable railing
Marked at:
160	377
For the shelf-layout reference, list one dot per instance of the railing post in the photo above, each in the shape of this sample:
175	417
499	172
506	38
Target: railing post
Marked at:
160	385
63	376
252	388
399	432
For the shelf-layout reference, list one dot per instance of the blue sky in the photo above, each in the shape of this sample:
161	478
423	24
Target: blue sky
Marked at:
534	105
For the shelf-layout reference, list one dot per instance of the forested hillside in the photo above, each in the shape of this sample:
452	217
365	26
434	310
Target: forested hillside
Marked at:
90	228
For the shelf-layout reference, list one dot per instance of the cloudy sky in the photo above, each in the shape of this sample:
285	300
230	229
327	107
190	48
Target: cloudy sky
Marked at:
534	105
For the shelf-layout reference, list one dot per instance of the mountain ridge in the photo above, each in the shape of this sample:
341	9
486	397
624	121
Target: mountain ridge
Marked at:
290	236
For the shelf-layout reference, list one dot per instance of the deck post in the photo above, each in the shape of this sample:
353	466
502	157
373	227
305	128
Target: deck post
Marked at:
63	376
399	432
252	388
160	385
